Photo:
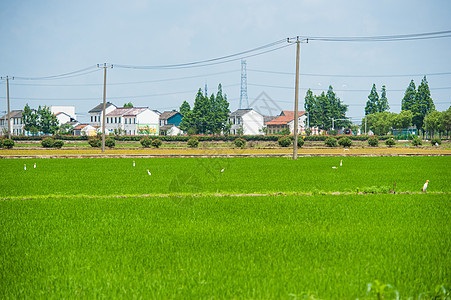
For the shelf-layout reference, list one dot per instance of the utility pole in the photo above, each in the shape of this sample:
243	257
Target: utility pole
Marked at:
296	98
104	66
7	78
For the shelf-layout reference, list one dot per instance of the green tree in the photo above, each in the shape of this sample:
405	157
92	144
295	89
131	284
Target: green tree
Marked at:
380	122
432	122
129	104
382	105
372	103
324	107
423	103
48	123
30	119
408	101
445	123
402	120
184	108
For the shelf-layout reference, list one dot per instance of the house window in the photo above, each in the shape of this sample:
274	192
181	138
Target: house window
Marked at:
119	120
108	120
134	122
115	119
125	120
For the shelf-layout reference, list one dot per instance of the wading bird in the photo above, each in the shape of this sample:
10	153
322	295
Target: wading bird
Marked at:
425	186
341	163
34	166
25	167
222	170
148	172
334	167
133	163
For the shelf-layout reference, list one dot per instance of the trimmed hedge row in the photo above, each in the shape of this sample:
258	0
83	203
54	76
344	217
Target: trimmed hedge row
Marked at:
201	138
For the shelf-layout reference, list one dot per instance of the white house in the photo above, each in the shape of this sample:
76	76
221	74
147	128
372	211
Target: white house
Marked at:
64	118
96	113
68	110
249	120
85	129
286	121
133	121
15	121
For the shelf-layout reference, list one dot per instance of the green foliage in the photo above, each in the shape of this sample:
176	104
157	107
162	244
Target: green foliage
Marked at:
308	131
65	129
345	142
8	143
371	104
390	142
379	123
382	105
284	141
47	123
1	143
30	119
382	291
324	107
146	142
240	142
129	104
193	142
435	141
408	101
333	132
373	141
58	144
95	142
416	141
110	142
419	102
331	142
156	143
402	120
209	115
47	142
185	108
432	122
300	141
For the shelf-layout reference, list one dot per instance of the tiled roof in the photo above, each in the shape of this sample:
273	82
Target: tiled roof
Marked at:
118	112
282	120
291	113
13	114
269	118
99	107
135	111
240	112
168	114
81	126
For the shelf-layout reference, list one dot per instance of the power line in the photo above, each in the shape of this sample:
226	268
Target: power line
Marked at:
381	38
351	75
214	61
130	82
80	72
336	90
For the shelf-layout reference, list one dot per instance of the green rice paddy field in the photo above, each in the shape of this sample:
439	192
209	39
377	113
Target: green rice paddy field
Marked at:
101	228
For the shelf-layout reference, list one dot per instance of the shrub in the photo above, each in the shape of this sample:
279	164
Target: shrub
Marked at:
58	144
8	143
390	142
95	142
156	143
416	141
300	141
345	142
47	142
240	142
1	143
145	142
110	142
373	141
284	141
433	141
333	132
193	142
331	142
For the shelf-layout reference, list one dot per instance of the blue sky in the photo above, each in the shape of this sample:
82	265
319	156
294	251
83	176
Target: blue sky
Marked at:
43	38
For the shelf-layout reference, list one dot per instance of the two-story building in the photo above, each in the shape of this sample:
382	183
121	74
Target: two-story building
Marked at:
96	113
15	121
286	121
169	122
132	121
246	121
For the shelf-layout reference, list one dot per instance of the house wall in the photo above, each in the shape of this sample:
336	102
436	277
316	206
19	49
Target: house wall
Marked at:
252	123
16	126
148	123
301	124
62	118
95	119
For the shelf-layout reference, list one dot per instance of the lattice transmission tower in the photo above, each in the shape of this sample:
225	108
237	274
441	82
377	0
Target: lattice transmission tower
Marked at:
244	100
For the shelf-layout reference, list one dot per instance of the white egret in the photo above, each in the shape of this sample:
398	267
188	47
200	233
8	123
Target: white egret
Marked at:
34	166
25	167
223	170
425	186
341	163
148	172
133	163
334	167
